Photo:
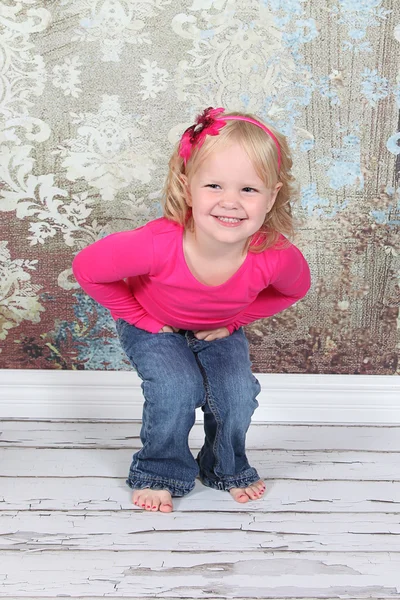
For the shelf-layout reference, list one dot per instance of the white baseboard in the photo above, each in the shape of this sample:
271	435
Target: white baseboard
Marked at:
285	398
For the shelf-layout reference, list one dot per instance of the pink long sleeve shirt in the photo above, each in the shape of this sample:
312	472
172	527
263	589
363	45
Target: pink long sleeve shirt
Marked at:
141	276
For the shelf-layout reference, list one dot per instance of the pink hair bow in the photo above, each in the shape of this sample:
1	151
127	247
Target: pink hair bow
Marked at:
194	136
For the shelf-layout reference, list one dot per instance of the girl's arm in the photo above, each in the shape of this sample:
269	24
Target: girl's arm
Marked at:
291	284
101	267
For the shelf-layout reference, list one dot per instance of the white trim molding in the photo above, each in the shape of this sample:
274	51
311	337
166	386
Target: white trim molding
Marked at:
284	398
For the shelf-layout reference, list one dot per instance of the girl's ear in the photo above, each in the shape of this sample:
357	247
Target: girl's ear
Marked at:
278	187
274	195
276	190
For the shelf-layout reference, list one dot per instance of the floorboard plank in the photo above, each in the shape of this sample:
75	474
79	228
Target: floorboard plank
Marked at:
274	464
115	434
21	493
217	574
199	532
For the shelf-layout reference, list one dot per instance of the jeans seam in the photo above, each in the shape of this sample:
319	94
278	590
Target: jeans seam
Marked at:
216	416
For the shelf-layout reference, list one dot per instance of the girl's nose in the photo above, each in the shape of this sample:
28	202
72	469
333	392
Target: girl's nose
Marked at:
230	201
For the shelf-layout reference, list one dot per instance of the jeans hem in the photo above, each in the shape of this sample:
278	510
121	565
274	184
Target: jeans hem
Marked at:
241	481
174	487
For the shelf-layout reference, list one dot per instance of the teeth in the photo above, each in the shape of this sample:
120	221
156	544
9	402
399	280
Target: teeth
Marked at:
228	219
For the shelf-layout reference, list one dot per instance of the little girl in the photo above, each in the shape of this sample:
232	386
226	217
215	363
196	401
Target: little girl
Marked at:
180	289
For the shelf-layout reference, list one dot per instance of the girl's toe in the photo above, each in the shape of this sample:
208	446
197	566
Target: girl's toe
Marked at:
252	493
239	495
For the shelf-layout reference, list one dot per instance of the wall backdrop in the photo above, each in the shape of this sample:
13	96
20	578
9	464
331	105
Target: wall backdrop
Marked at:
93	95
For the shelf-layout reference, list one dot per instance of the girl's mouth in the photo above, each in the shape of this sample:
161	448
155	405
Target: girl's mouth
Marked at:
228	221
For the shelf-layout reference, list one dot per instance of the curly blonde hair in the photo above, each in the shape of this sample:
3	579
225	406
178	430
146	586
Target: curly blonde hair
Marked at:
262	151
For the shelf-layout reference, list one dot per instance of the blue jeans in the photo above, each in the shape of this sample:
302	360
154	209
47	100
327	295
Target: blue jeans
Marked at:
179	374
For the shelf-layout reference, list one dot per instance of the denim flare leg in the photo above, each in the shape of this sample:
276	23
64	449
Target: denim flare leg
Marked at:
180	373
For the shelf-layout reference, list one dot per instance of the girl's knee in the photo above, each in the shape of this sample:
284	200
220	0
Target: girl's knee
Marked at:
236	398
240	384
180	393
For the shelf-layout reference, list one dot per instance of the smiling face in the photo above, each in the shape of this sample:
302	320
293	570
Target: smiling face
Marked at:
229	200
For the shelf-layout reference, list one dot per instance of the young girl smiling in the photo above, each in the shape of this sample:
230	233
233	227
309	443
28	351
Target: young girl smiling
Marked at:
182	287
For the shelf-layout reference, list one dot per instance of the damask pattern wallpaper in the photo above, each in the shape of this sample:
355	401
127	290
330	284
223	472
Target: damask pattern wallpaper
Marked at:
94	93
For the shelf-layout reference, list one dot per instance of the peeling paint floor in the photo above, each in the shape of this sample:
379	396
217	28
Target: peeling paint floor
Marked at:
328	525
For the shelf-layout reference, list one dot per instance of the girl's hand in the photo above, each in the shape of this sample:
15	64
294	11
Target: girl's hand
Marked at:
169	329
207	335
212	334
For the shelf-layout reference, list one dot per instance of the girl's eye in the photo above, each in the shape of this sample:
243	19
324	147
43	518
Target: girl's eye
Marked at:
215	185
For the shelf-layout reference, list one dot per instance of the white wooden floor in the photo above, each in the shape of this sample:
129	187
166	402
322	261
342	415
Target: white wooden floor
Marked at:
328	526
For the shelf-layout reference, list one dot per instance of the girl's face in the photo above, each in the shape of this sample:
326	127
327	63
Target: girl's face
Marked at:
229	201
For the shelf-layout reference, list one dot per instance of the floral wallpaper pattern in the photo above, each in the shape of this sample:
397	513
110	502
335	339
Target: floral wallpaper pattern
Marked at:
94	93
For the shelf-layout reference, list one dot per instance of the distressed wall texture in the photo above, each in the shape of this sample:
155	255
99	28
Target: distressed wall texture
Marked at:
94	93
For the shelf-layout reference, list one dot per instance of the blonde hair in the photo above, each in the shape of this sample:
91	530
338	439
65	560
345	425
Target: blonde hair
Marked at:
262	152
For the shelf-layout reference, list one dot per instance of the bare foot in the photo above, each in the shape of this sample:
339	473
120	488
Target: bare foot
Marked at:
253	492
153	500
